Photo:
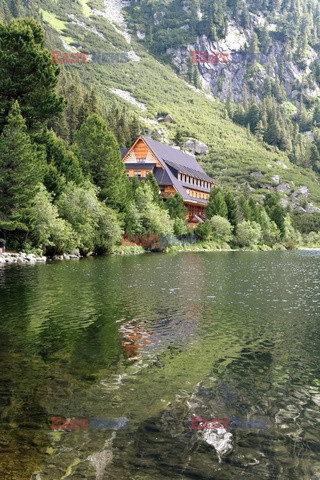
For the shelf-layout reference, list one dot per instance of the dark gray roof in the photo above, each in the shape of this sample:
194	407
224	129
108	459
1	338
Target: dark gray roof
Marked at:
123	151
195	187
162	176
189	171
178	160
182	161
140	165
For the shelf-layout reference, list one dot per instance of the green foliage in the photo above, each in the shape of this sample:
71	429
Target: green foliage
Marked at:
100	159
62	161
180	226
144	216
21	166
47	229
216	204
249	233
204	231
124	125
174	205
221	229
27	74
275	211
232	210
95	224
150	179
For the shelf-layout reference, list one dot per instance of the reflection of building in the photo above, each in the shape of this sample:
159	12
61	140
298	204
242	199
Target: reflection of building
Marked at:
134	337
174	170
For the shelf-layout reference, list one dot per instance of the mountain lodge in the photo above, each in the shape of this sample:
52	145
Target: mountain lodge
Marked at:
175	171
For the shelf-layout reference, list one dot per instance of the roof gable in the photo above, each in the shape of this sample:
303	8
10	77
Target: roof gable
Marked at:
181	161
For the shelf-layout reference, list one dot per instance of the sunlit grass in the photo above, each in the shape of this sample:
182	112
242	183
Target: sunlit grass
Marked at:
53	21
85	7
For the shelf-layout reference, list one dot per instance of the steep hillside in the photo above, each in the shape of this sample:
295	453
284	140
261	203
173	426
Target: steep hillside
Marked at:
150	87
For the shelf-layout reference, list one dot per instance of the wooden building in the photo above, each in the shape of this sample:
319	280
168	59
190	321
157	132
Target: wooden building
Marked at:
174	170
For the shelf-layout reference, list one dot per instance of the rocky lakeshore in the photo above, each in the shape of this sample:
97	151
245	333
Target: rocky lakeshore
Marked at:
8	258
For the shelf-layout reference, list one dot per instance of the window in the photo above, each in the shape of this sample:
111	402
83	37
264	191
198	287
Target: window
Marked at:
141	160
137	174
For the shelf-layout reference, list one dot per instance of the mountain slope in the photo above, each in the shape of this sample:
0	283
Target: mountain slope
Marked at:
234	153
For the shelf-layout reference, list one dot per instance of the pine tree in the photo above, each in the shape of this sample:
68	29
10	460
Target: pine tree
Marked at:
253	116
232	210
229	101
245	18
65	161
150	179
244	211
174	205
100	159
27	74
178	138
135	130
22	166
196	77
265	40
216	204
316	115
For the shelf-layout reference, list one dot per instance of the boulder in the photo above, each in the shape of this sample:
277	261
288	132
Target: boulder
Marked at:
41	259
168	119
257	175
266	186
276	179
283	188
284	202
302	192
196	146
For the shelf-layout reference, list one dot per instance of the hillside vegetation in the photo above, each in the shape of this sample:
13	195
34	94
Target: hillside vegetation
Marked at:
234	152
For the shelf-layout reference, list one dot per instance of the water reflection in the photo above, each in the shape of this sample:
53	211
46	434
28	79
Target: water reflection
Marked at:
156	339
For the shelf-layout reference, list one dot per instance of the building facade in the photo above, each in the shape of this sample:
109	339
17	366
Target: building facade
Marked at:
175	171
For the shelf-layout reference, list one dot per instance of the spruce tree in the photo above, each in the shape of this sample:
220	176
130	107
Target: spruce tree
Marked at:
27	74
174	205
22	166
216	204
100	159
232	210
155	189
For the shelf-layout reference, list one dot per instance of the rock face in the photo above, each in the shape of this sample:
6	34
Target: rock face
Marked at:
219	76
196	146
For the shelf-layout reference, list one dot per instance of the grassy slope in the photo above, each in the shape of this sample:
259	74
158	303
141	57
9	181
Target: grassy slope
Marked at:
232	154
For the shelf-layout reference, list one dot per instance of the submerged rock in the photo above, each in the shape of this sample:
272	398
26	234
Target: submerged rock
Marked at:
220	439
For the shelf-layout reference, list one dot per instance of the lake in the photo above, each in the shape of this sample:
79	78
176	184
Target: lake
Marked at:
157	339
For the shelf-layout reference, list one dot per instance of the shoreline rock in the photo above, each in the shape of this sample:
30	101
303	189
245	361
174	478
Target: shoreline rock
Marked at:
22	258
